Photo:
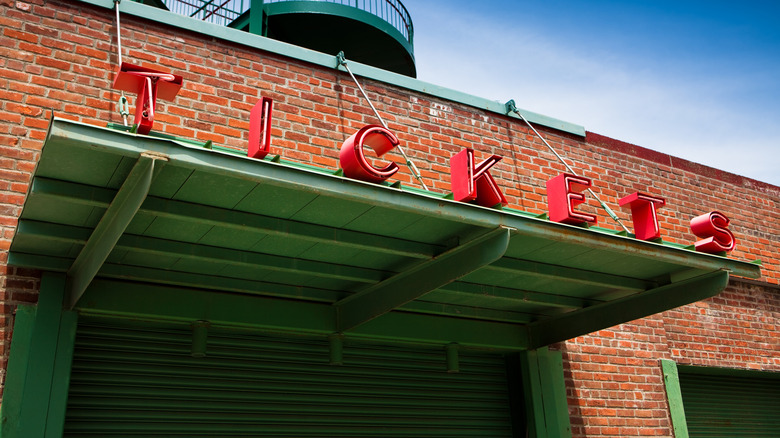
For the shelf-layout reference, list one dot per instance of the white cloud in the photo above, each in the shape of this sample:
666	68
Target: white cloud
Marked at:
636	97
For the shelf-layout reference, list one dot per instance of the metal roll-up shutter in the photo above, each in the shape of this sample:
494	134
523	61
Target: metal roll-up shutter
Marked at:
743	405
140	379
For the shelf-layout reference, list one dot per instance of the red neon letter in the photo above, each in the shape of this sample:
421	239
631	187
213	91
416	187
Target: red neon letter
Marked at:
470	183
643	208
353	160
712	228
260	128
563	194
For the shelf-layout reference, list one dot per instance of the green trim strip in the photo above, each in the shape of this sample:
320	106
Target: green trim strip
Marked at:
729	372
326	60
674	396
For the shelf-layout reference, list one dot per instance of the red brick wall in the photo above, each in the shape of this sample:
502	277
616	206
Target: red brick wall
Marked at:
60	56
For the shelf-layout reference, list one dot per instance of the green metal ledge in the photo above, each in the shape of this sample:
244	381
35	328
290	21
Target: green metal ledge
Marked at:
159	228
327	60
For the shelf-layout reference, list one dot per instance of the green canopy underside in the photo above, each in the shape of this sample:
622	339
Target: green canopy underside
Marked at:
156	227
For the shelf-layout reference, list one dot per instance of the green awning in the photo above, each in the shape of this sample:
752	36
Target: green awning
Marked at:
156	227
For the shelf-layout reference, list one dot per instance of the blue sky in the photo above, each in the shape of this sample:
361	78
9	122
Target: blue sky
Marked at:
698	80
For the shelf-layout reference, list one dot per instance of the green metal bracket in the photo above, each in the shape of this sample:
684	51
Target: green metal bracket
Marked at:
336	348
200	333
415	282
590	319
111	227
453	358
674	396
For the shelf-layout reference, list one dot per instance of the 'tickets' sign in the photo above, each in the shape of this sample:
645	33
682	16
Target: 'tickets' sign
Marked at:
473	183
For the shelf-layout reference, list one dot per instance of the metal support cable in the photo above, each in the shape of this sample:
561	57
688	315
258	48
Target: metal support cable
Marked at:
409	163
122	105
511	108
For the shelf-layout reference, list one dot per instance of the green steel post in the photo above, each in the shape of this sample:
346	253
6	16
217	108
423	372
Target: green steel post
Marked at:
545	394
556	409
256	12
674	396
39	381
16	375
63	359
532	390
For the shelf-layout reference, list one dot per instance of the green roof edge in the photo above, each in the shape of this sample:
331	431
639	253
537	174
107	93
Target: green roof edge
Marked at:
322	59
309	177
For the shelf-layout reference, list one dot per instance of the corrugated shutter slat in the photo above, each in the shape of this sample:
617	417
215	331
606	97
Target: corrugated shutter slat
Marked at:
139	379
722	406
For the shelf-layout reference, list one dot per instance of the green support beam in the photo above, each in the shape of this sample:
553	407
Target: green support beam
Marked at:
234	220
562	273
547	412
466	290
110	228
601	316
183	250
134	300
39	366
415	282
674	396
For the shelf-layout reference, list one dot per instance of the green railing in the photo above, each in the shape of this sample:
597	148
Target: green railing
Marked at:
223	12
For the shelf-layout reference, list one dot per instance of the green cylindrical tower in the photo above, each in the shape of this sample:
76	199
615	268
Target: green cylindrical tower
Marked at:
374	32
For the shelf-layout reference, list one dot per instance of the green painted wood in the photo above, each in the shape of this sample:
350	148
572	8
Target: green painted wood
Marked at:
674	397
139	378
124	206
173	303
723	403
413	283
17	370
633	307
